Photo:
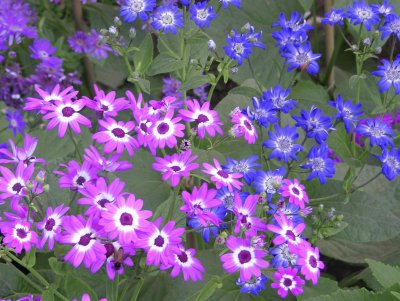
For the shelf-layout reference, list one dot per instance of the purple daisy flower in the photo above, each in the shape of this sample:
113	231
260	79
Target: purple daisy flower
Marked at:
13	185
391	27
390	163
161	245
96	48
98	194
51	226
24	154
176	166
226	3
116	136
335	16
286	230
201	14
42	50
269	181
347	112
242	126
172	87
245	166
82	235
239	47
320	164
278	97
282	256
379	132
79	41
296	23
124	218
16	122
206	120
186	263
308	259
222	178
244	257
76	177
253	286
94	158
167	18
287	280
18	235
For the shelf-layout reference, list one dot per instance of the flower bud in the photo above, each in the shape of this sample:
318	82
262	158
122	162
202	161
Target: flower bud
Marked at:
117	21
211	45
367	42
132	33
246	28
46	188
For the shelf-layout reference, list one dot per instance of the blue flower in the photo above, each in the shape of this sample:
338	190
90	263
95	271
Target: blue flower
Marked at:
16	122
296	23
301	57
290	210
262	112
134	8
362	13
378	132
384	9
282	256
347	112
278	97
282	143
228	197
225	3
320	164
167	18
3	146
269	181
314	124
254	38
239	47
185	2
391	26
201	14
390	163
287	36
390	75
253	286
245	167
194	223
335	16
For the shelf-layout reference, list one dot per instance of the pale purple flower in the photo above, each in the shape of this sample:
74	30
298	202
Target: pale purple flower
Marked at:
18	235
94	158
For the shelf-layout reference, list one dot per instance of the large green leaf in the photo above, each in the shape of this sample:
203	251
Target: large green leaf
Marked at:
385	274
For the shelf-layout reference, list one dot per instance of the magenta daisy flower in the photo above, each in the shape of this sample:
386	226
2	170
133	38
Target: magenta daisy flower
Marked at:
161	244
66	114
243	127
77	176
165	131
287	231
308	259
186	263
287	280
13	185
50	225
98	194
206	120
145	122
106	104
176	166
244	211
24	154
221	177
82	235
295	192
19	236
94	158
124	218
244	257
199	204
47	98
116	136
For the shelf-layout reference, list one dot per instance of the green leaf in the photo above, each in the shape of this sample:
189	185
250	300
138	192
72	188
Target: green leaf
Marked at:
47	295
325	286
76	287
138	287
208	290
164	63
385	274
194	82
144	57
30	258
354	295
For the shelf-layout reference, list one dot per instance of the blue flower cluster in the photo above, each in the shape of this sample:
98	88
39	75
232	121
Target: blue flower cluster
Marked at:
293	45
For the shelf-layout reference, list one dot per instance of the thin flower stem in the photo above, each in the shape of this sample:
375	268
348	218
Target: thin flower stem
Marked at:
35	274
77	151
326	197
26	278
214	85
172	204
366	183
392	49
128	65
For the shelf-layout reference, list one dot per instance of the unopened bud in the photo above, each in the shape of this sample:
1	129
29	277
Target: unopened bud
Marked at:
46	188
367	42
117	21
246	27
132	33
211	45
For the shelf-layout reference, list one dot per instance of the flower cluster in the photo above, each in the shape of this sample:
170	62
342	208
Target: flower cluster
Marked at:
90	44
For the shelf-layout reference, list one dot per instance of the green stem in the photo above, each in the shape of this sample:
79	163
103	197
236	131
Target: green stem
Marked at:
128	65
35	274
214	85
116	285
172	204
77	151
326	197
392	49
366	183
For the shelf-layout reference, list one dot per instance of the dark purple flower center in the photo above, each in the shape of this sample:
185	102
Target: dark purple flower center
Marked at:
201	119
144	127
85	239
21	233
126	219
104	108
244	256
175	168
109	249
80	181
118	132
68	111
287	282
290	234
248	125
243	220
17	187
163	128
103	203
159	241
183	257
313	262
223	173
50	224
295	191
